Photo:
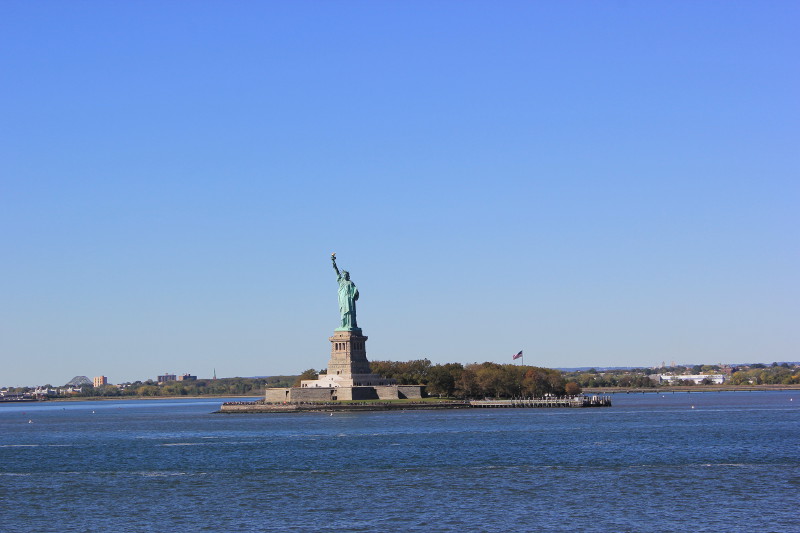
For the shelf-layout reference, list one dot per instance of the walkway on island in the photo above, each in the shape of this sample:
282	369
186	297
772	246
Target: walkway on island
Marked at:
262	406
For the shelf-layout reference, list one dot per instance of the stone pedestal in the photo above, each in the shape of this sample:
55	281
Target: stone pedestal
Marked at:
348	377
348	354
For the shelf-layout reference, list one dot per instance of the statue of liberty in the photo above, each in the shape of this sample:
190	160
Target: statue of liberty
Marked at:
348	294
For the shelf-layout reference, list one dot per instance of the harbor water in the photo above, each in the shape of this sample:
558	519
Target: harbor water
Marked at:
723	461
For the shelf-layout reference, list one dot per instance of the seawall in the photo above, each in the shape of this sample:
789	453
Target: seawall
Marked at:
296	407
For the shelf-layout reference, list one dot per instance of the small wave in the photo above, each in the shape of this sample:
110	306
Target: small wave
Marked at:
163	474
183	443
305	472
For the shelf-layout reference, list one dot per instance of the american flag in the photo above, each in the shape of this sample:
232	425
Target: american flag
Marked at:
517	356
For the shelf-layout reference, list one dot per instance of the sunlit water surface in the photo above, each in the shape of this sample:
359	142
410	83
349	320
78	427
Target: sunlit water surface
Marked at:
652	462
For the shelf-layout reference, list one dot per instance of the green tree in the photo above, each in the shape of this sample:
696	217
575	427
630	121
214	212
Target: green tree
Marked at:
442	379
148	390
467	384
307	374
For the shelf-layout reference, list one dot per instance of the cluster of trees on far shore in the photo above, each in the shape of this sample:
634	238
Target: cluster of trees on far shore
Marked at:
201	387
149	388
752	374
776	374
617	378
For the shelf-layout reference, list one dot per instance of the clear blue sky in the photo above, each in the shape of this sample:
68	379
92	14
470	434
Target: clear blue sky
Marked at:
597	183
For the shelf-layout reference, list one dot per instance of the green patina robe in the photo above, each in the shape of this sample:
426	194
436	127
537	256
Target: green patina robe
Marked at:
348	294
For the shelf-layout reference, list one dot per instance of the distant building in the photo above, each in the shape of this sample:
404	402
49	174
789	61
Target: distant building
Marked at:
166	377
717	379
99	381
187	377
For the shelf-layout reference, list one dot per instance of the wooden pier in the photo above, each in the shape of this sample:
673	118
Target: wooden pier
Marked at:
568	401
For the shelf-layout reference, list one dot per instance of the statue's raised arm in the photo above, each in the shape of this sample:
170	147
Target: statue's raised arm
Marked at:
333	258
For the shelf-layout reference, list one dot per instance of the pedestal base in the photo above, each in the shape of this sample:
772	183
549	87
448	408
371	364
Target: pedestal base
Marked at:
349	376
348	353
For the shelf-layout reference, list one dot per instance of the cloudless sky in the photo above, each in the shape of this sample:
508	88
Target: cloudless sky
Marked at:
595	183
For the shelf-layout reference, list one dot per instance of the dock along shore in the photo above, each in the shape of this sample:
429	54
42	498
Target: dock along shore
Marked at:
262	406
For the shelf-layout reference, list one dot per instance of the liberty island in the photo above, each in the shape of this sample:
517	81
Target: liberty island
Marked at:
349	378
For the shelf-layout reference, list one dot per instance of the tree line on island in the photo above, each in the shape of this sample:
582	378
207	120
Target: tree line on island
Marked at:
476	380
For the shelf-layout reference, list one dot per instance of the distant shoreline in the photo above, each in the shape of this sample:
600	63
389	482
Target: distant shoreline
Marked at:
586	390
690	388
113	398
